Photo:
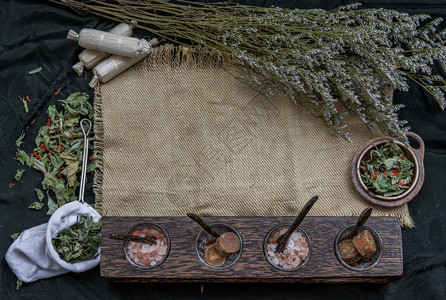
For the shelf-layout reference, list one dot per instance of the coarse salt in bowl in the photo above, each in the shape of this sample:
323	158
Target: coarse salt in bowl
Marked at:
147	256
296	253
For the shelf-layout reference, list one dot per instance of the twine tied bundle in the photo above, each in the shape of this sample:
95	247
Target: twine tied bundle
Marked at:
99	45
108	42
90	58
116	64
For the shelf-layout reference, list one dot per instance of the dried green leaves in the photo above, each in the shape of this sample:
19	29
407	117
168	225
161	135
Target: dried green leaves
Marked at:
52	206
15	236
40	194
388	172
19	283
37	70
36	205
72	162
19	141
79	241
24	158
19	174
77	105
58	152
25	105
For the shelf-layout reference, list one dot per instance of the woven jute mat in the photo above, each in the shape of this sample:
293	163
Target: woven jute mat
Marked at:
177	133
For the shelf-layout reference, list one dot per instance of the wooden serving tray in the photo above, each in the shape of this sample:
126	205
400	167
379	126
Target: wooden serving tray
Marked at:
183	265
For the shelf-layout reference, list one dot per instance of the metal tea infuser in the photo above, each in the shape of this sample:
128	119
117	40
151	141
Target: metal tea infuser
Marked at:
84	158
32	256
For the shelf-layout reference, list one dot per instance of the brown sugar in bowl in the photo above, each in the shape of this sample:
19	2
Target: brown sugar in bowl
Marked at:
374	259
414	155
201	244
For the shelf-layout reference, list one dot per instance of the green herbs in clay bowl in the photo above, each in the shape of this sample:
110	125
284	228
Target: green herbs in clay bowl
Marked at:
388	173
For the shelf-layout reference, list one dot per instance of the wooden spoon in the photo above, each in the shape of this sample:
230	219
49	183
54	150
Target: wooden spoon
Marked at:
283	239
361	221
151	240
203	224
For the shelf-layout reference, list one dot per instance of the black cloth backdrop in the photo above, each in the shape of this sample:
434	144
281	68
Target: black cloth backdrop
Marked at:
33	34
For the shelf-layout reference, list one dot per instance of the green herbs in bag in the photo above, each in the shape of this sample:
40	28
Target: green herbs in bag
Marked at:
79	241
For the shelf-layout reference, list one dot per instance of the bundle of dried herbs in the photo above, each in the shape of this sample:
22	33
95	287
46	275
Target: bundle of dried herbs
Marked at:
58	154
79	241
388	172
347	60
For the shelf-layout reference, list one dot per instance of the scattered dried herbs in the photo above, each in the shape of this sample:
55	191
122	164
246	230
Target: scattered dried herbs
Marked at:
58	154
19	141
79	241
19	284
36	205
19	174
15	236
388	172
24	159
52	206
35	71
39	194
25	105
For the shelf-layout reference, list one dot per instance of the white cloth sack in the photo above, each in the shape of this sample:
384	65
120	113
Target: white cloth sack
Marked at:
33	257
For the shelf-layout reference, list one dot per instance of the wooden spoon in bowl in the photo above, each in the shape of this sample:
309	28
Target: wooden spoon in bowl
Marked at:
283	239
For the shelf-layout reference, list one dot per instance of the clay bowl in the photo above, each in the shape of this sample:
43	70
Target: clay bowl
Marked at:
414	155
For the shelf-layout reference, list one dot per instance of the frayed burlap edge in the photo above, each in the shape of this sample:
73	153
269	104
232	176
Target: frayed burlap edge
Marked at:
185	58
98	148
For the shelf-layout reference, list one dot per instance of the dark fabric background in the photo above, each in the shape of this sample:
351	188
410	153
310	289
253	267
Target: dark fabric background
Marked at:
33	34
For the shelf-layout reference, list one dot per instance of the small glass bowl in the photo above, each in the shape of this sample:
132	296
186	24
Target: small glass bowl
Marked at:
271	233
363	266
148	226
203	236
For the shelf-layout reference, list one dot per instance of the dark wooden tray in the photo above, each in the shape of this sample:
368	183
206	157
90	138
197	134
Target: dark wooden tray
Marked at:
183	265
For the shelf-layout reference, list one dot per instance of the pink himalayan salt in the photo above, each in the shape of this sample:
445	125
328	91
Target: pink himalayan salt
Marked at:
295	253
146	255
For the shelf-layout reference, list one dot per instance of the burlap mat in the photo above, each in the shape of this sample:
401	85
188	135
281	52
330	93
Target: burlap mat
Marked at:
176	134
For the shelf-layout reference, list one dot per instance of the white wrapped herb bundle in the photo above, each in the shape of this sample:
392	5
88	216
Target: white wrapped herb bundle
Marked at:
90	58
116	64
108	42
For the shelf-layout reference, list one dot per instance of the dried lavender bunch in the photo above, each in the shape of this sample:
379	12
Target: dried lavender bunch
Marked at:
347	60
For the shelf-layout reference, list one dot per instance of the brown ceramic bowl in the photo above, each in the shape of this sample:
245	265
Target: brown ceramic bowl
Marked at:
414	155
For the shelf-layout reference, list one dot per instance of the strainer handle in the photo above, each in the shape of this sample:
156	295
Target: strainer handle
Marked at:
84	158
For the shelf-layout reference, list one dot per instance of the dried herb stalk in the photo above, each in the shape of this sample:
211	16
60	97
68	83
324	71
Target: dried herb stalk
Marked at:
347	60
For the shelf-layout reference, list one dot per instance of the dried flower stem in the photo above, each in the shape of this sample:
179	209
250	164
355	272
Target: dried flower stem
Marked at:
346	60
